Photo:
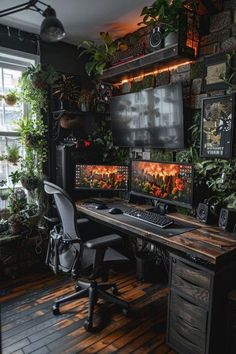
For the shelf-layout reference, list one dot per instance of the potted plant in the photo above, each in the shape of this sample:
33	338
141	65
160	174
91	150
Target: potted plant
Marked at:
17	202
84	100
230	201
29	181
66	92
100	55
163	17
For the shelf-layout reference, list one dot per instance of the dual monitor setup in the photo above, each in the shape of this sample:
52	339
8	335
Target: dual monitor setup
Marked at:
170	183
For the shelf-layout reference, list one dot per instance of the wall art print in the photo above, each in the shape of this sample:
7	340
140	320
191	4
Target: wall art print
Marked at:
217	126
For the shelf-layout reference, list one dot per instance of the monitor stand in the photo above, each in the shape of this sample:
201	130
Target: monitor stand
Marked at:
162	208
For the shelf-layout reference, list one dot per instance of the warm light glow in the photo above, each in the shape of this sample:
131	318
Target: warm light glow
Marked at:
192	44
155	72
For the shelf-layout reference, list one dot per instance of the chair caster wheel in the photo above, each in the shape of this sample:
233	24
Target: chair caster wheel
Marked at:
126	311
55	310
114	290
88	325
77	288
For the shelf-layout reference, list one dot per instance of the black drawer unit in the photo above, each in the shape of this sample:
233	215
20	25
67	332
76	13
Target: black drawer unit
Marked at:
197	309
232	322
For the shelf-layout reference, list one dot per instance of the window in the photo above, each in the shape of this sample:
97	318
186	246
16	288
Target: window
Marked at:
12	64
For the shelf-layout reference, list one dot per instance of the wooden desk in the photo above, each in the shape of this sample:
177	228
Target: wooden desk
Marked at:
209	243
199	286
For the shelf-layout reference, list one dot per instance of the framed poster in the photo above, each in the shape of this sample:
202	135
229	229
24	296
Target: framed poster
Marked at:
217	126
214	67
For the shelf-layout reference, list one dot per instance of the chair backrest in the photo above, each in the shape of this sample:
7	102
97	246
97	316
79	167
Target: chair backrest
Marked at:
65	208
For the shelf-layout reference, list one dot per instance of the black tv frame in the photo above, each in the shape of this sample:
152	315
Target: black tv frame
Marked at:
101	189
166	201
154	145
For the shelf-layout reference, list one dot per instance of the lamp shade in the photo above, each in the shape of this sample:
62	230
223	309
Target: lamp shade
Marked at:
51	29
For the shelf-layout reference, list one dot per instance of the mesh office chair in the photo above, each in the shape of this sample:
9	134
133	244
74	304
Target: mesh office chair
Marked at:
70	251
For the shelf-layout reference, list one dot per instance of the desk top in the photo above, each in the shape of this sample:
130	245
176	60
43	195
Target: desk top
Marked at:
209	243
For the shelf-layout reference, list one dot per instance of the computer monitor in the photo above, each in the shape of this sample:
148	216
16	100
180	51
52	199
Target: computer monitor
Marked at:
152	117
168	182
102	177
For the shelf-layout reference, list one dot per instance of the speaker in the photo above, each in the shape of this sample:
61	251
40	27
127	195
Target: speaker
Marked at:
171	38
205	215
157	38
227	219
63	167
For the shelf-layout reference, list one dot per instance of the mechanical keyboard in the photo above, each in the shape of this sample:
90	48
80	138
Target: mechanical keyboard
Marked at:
158	220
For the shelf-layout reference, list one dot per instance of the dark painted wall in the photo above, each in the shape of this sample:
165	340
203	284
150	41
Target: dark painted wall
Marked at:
62	56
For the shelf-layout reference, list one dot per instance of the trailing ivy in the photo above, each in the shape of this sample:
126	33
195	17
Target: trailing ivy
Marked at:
33	87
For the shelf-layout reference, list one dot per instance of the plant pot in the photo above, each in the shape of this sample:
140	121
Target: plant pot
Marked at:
70	122
30	183
83	106
38	83
4	226
10	100
16	228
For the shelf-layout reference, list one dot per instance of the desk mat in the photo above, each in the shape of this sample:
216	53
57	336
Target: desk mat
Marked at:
178	228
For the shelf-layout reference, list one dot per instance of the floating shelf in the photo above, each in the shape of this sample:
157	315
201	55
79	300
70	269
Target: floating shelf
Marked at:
157	60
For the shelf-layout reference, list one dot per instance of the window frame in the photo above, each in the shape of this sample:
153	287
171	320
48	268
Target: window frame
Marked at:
15	60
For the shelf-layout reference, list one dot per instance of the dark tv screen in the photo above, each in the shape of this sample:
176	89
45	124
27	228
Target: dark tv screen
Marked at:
152	117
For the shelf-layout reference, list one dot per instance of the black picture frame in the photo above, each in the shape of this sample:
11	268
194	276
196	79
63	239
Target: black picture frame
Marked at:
217	126
214	66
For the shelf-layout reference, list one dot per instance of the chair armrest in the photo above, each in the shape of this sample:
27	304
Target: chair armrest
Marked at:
104	241
52	219
82	221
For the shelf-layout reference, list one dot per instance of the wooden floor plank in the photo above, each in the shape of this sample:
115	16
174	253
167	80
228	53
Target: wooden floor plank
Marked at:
29	327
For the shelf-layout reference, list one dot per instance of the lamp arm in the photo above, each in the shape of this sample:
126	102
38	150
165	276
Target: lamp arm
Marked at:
30	5
43	3
14	9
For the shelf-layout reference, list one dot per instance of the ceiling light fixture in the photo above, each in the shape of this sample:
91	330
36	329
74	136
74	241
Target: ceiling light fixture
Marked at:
51	29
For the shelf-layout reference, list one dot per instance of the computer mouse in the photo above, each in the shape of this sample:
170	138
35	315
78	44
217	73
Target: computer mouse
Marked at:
100	206
115	211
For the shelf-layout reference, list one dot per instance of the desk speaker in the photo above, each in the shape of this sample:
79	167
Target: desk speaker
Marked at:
227	219
204	214
157	38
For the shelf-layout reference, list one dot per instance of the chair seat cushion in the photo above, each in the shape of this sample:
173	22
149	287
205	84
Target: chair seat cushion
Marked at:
112	255
103	241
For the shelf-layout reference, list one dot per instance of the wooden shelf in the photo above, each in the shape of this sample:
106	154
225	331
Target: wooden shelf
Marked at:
171	55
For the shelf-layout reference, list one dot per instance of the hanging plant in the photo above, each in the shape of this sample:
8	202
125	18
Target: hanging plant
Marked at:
10	98
33	86
13	154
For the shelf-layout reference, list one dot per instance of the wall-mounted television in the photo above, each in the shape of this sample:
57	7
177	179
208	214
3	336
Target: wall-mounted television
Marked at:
165	181
149	118
101	177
